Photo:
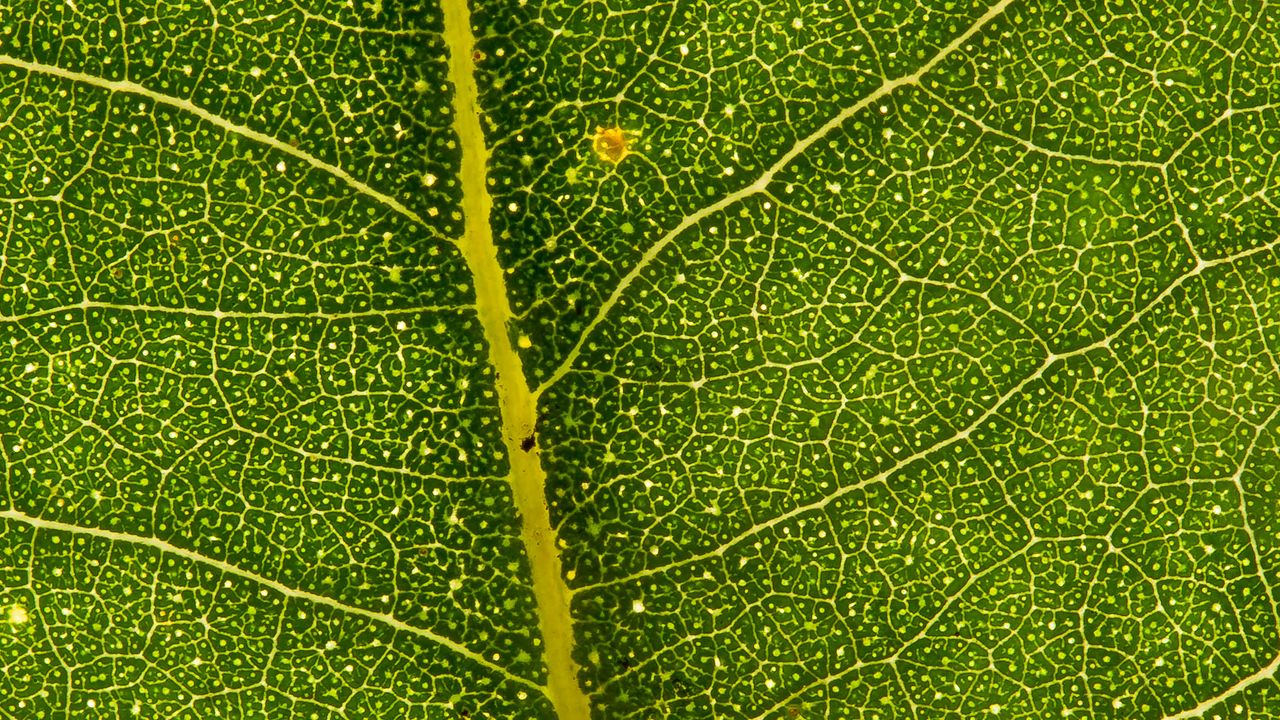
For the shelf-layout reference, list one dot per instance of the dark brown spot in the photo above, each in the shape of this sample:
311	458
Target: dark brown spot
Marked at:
528	443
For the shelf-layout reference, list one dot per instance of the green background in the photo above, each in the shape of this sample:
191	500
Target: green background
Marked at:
968	410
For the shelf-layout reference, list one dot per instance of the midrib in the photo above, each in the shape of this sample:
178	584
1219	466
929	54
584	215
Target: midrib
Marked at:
516	401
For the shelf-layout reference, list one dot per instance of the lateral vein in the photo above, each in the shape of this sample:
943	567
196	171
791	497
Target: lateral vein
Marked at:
229	569
132	88
1047	363
760	184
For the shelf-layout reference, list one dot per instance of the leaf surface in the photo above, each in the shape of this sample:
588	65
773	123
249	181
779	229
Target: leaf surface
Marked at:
915	360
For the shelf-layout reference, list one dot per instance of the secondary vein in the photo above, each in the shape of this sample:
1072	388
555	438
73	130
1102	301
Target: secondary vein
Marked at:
132	88
761	183
228	569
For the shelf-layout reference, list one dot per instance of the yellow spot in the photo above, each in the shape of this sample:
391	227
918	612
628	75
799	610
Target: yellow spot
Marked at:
611	144
524	342
394	274
17	615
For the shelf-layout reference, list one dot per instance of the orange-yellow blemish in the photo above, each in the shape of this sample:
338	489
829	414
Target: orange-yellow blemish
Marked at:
611	144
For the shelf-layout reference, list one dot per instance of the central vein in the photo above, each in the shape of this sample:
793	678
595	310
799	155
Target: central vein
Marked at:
516	400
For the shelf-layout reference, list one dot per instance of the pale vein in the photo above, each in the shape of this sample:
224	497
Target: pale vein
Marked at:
1049	361
1266	673
132	88
234	314
761	183
229	569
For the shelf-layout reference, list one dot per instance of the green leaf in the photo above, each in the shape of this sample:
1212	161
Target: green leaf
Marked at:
550	359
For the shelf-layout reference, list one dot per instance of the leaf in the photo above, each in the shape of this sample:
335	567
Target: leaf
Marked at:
690	360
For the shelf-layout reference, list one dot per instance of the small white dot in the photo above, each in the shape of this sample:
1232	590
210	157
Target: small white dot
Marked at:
17	615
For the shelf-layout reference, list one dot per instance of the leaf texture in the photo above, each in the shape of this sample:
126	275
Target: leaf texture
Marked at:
914	360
